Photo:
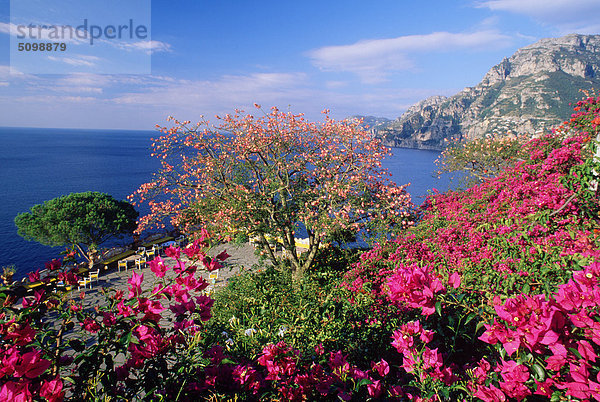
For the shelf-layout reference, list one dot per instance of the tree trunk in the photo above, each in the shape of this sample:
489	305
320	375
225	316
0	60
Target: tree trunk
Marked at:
265	245
91	258
299	269
297	275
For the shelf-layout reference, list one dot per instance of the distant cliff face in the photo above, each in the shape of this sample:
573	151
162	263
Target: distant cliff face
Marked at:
526	93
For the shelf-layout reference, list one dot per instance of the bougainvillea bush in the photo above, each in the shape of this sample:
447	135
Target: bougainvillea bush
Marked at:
494	295
505	276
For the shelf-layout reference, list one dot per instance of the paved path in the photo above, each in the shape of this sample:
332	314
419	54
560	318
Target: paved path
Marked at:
241	257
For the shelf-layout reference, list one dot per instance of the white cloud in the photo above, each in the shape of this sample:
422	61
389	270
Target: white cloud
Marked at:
11	73
84	80
373	59
7	28
541	7
228	92
336	84
77	60
566	16
186	99
148	46
119	101
54	99
4	72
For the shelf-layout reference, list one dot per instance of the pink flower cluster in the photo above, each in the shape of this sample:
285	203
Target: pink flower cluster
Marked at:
500	229
563	332
296	382
137	315
23	369
416	287
411	341
499	245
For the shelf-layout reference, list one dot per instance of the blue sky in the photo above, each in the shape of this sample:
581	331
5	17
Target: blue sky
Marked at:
352	57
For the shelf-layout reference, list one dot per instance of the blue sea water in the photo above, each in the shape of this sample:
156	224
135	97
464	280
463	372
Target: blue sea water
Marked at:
40	164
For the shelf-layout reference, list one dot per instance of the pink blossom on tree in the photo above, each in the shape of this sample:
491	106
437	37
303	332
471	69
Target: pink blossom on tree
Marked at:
263	176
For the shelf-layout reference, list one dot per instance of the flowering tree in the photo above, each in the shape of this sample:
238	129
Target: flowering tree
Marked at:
482	158
266	176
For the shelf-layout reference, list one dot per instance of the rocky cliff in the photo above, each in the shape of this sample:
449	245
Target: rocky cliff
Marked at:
526	93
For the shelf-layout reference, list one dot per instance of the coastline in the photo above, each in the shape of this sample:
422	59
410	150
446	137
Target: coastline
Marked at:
56	163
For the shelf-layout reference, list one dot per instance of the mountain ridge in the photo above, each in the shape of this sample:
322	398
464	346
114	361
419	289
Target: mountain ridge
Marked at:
526	93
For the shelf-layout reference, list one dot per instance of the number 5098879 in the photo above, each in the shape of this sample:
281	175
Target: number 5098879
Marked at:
42	47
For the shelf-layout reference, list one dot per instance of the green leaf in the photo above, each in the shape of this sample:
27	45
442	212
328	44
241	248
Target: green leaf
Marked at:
364	381
438	308
575	352
539	372
470	318
69	379
125	339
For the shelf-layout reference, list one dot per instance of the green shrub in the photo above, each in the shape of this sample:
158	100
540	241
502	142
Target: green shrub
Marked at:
261	307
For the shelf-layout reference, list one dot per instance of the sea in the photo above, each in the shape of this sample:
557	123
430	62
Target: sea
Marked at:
40	164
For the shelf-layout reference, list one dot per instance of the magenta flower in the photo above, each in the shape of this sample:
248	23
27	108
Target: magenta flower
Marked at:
15	391
404	338
108	319
53	265
490	394
90	325
375	389
172	252
211	264
544	388
222	255
31	365
203	307
158	266
411	360
279	360
182	308
34	276
135	284
382	367
10	358
432	359
415	287
150	308
338	363
454	280
124	309
52	390
20	334
247	377
514	376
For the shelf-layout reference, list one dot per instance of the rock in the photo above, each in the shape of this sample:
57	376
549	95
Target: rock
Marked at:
527	93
